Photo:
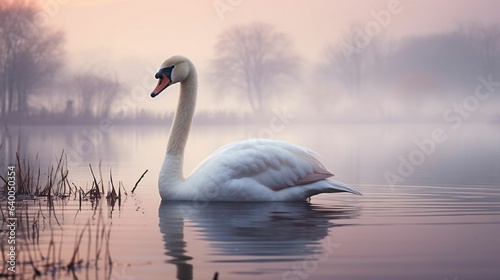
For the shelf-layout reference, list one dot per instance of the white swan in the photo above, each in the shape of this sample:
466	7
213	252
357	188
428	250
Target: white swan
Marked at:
251	170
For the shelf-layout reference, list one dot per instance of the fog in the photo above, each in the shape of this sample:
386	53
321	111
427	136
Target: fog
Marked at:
368	61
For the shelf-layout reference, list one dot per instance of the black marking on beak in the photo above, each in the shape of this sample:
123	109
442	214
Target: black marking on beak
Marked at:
167	71
163	73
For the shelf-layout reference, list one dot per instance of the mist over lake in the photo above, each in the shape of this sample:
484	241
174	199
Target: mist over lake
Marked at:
396	100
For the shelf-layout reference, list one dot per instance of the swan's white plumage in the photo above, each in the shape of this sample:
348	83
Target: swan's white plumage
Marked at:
251	170
256	170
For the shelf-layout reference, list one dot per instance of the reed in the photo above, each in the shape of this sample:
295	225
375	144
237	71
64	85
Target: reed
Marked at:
51	190
137	183
32	182
54	183
48	257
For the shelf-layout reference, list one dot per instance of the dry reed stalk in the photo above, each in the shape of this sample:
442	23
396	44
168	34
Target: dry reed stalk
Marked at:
137	183
95	191
29	177
55	184
73	261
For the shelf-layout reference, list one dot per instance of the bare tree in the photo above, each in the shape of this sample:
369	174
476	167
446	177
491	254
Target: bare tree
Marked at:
96	92
253	59
344	62
337	68
490	40
30	55
350	61
486	40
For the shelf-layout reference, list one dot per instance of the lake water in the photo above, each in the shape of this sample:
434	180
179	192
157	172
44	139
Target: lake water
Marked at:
430	207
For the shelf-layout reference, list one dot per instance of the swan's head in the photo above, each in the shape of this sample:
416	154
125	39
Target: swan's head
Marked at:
173	70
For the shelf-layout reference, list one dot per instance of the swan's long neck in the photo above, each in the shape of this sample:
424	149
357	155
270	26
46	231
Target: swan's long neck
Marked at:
179	133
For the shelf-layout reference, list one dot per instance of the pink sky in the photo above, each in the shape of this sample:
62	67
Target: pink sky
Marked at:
145	29
131	36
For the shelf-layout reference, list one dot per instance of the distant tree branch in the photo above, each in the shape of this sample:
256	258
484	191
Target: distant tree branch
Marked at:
30	55
254	60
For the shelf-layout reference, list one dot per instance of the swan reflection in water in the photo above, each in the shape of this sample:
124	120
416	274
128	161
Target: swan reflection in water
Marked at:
248	232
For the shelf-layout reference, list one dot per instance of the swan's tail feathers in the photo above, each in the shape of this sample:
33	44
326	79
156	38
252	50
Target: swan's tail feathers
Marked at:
341	187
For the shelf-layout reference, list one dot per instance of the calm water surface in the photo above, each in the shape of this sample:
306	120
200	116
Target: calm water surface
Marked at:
439	220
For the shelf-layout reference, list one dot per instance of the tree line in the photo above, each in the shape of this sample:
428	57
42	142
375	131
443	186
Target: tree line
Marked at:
30	55
256	61
32	61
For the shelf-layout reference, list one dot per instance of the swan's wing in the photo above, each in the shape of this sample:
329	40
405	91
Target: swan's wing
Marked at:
276	165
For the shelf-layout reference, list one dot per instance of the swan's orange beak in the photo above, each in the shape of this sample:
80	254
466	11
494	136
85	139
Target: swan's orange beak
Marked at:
163	83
